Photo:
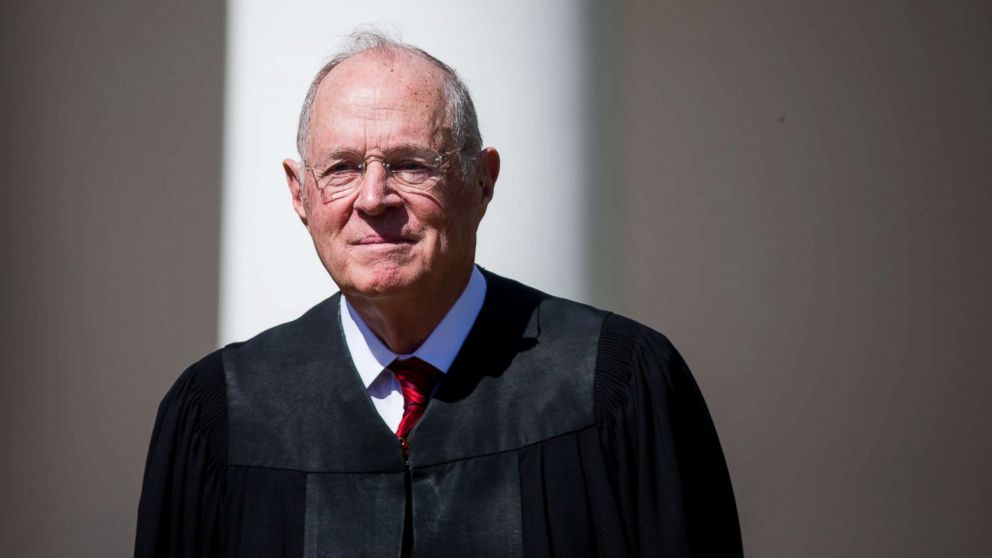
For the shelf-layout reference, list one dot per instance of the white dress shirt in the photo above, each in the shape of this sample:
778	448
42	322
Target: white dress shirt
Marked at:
371	355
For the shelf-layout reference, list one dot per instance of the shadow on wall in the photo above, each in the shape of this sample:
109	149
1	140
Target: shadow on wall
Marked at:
112	126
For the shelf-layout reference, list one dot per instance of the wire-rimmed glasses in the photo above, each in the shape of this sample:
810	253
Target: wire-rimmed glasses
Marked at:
411	168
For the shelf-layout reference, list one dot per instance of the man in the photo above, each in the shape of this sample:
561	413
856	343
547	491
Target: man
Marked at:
431	409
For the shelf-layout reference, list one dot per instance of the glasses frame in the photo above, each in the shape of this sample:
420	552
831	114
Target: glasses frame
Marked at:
390	177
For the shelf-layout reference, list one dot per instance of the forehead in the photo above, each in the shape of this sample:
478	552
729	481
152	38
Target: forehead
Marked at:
375	98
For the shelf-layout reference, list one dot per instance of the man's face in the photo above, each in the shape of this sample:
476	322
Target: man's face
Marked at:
380	240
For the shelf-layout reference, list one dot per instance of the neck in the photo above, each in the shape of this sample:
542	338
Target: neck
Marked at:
403	322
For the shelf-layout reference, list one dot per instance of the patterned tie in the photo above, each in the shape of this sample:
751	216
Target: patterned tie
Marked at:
416	379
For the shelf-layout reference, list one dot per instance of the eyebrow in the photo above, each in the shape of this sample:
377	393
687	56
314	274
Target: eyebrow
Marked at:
338	151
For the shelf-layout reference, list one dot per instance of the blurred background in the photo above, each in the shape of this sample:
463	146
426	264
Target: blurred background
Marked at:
799	194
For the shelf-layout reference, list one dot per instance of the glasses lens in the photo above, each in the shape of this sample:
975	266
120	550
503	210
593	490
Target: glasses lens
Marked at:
341	174
416	168
342	170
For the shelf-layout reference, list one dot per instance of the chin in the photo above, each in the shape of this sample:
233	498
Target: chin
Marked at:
381	282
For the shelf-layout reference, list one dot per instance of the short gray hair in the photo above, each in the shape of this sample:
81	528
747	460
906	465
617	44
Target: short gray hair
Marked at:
459	109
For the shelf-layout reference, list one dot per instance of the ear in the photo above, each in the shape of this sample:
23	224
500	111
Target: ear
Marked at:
294	179
488	173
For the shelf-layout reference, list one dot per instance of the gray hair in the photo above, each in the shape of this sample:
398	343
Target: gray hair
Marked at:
459	109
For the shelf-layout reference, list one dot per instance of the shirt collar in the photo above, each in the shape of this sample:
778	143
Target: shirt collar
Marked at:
371	355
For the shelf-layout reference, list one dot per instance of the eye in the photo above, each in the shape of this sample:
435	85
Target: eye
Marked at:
410	165
343	167
411	171
342	172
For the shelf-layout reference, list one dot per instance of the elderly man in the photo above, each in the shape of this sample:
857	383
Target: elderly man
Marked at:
431	408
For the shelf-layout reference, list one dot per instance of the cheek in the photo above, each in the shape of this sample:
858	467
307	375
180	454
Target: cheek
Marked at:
330	216
459	227
326	226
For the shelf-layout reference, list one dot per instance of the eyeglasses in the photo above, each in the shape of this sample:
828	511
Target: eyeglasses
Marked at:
407	168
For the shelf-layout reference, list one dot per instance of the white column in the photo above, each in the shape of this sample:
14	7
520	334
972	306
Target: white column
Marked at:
522	61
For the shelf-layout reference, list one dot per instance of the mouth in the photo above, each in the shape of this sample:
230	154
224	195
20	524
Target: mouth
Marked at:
374	239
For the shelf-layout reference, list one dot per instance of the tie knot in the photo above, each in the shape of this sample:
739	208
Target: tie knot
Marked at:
413	373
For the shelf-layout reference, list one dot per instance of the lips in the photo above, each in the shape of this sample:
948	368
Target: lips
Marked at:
377	239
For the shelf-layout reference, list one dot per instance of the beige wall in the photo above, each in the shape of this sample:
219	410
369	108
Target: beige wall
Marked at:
797	193
806	193
110	161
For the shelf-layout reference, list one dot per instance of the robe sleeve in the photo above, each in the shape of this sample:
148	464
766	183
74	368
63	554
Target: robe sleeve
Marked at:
179	514
669	473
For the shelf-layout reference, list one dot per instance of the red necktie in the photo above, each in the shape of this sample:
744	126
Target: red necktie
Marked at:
416	379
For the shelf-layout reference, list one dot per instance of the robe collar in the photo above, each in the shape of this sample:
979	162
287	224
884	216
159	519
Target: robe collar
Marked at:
371	356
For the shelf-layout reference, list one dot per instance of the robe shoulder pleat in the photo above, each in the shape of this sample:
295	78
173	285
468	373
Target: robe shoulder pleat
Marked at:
180	510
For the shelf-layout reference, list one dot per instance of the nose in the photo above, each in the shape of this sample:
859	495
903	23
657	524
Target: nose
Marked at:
375	194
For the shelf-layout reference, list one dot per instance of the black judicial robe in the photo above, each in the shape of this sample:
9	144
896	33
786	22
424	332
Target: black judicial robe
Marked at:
560	430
